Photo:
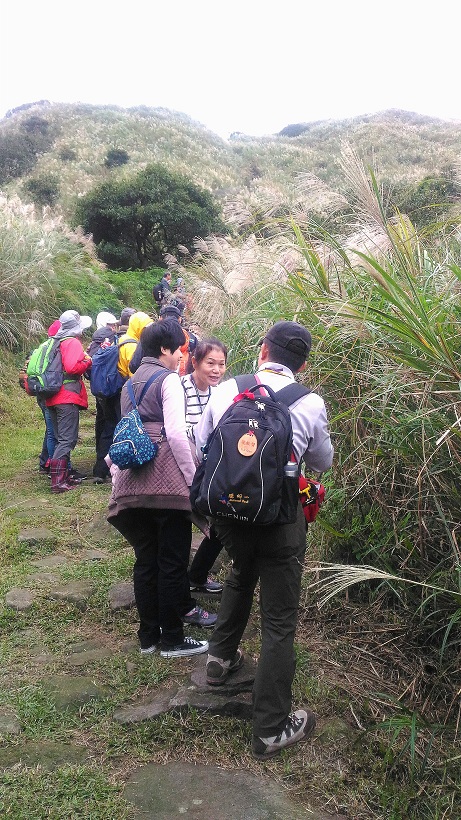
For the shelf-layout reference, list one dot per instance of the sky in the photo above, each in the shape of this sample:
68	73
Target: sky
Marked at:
252	66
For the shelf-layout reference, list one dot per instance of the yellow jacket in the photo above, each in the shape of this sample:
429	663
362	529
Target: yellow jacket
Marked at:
138	321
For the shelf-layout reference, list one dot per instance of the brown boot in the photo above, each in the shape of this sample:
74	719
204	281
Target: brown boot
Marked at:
58	472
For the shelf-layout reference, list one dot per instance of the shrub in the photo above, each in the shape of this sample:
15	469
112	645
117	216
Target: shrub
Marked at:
17	156
115	157
44	190
19	148
429	200
67	154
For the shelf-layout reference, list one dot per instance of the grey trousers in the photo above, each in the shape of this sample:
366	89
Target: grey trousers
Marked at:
65	420
273	555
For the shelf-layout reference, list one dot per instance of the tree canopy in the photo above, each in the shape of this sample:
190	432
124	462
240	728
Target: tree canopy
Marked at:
137	220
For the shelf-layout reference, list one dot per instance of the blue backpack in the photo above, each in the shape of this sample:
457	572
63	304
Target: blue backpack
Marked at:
105	379
131	445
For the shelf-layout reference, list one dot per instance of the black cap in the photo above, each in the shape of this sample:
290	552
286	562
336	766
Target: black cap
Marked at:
291	336
170	310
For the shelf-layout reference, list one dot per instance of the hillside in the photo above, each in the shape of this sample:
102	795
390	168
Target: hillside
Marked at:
69	144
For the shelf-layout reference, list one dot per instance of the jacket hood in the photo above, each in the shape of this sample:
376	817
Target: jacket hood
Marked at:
138	321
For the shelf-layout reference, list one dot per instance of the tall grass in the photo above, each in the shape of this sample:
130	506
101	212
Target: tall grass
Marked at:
383	304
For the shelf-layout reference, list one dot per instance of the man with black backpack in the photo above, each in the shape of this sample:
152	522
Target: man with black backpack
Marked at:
162	289
271	552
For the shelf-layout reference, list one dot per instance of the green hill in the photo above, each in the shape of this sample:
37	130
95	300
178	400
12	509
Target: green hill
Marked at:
66	149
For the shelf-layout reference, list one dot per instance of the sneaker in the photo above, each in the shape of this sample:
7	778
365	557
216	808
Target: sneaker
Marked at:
188	647
148	650
299	725
217	670
208	586
199	617
44	471
98	480
75	475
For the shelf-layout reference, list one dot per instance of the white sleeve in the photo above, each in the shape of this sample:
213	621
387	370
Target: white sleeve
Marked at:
174	420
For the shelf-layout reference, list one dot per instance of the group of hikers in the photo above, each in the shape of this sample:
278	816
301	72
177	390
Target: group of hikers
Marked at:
184	406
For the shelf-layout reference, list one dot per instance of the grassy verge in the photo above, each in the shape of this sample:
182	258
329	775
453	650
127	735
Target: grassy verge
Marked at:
372	756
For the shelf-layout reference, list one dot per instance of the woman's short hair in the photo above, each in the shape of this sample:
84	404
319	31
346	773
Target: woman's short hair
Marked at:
168	334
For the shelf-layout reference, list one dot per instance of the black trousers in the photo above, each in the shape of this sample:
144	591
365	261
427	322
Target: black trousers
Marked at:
205	557
107	417
273	555
161	542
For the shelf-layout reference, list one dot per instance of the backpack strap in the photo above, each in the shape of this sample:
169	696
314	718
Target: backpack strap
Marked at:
244	382
288	395
292	392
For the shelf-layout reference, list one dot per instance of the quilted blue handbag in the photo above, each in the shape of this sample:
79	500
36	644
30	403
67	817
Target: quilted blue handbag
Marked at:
131	445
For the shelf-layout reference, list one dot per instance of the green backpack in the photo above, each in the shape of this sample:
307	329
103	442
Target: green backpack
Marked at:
45	375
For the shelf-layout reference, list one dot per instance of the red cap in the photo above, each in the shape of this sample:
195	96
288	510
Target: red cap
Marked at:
53	329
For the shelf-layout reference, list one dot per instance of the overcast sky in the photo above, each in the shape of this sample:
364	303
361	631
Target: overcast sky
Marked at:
247	65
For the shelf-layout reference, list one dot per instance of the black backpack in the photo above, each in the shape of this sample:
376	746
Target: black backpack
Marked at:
157	292
242	475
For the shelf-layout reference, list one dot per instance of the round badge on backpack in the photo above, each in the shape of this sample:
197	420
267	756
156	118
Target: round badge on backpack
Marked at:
247	444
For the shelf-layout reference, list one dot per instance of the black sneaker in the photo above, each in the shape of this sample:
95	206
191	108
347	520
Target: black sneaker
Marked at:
217	670
209	586
75	475
199	617
299	725
183	650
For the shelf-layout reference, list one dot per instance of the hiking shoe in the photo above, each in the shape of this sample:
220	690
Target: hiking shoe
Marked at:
148	650
199	617
217	670
183	650
209	586
299	725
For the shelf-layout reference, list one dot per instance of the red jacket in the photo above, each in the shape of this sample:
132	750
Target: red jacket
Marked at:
74	362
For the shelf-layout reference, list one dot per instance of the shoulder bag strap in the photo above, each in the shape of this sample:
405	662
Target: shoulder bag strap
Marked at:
129	387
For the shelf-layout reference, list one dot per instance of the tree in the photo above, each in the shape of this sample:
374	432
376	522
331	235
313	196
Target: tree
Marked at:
136	221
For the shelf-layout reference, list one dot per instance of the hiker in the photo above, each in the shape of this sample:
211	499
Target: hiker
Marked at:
150	505
162	289
272	555
208	367
64	406
129	340
167	312
107	408
124	319
49	439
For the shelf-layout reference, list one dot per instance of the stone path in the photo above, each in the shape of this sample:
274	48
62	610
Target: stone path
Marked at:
158	791
202	792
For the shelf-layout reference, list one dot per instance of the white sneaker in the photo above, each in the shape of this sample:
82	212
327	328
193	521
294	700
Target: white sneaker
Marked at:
299	725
